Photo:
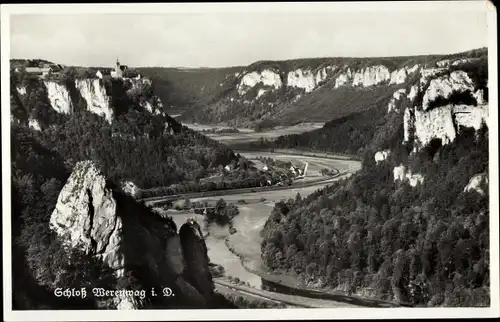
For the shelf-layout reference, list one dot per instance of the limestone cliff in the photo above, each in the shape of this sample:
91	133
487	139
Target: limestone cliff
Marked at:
59	97
423	123
323	89
94	93
130	239
63	97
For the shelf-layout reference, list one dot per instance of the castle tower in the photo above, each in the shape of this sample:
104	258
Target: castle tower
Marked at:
118	70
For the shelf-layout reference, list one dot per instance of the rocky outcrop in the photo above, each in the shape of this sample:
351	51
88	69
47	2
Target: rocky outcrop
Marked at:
129	238
194	251
442	122
477	183
344	78
129	188
400	76
449	62
266	77
370	76
444	86
413	93
94	93
400	173
307	79
375	75
394	99
59	97
382	155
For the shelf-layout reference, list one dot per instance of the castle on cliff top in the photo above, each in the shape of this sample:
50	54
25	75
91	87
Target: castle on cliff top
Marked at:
119	69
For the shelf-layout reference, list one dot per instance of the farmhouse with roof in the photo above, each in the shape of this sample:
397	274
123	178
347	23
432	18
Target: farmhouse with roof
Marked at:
43	69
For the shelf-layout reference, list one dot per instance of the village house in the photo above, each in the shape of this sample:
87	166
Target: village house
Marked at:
43	70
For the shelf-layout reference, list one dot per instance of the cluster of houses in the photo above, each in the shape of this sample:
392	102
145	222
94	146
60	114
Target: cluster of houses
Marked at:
294	172
44	69
298	172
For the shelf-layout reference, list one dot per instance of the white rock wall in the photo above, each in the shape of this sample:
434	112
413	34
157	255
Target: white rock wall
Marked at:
266	77
59	97
444	86
95	95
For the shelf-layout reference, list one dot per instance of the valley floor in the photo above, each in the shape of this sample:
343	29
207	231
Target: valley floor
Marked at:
239	253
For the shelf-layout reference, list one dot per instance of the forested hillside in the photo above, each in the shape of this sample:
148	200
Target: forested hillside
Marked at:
372	236
181	88
413	224
149	149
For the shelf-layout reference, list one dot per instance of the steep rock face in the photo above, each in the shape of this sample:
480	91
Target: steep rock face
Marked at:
372	75
413	93
195	255
266	77
128	237
301	79
449	62
476	183
307	80
94	93
85	215
59	97
344	78
457	81
442	122
399	76
394	99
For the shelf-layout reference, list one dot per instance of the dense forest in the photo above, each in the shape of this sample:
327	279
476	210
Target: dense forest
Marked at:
427	245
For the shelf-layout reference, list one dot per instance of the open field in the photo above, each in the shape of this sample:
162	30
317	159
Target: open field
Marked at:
201	127
249	135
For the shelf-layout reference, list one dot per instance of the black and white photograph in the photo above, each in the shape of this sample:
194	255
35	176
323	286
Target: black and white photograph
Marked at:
178	161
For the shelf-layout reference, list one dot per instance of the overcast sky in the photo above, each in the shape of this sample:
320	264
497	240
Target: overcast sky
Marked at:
230	39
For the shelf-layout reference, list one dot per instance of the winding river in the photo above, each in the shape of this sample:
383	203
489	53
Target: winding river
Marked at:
255	207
